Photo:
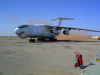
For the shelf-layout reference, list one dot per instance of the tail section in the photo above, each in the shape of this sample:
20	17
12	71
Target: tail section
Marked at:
60	20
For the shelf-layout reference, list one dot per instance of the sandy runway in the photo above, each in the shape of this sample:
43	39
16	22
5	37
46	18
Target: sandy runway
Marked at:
19	57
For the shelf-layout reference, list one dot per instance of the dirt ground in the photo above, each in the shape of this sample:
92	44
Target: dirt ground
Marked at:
19	57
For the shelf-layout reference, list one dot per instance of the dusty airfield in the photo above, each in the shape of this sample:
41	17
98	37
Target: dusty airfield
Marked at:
19	57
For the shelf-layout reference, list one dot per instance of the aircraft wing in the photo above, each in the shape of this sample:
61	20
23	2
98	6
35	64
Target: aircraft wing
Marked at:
60	27
50	26
77	29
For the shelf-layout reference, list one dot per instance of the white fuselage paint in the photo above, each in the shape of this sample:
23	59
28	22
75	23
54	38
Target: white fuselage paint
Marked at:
35	31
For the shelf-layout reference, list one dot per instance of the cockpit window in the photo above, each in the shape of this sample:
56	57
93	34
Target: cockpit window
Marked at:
23	26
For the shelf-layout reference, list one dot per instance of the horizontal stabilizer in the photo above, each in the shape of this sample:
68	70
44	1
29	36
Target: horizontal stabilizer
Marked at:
62	19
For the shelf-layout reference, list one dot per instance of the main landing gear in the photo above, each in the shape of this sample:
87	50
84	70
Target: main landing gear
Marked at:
41	39
52	39
31	40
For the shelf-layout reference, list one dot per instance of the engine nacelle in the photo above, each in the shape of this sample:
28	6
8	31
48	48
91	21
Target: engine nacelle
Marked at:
66	32
53	31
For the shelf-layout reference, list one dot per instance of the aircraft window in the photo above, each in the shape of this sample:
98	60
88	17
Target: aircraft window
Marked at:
23	26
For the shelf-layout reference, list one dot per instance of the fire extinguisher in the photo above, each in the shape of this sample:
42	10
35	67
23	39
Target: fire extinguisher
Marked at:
79	61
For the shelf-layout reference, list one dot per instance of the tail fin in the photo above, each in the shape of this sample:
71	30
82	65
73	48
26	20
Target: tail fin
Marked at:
60	20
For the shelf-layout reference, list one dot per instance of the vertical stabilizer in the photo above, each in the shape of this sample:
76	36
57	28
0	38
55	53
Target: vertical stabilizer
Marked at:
60	20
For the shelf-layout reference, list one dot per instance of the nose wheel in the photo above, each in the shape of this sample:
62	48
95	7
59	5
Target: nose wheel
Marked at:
31	40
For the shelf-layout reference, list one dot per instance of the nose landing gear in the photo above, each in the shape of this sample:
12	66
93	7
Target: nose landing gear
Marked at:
31	40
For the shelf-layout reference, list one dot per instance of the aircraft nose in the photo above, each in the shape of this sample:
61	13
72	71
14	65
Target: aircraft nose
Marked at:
17	31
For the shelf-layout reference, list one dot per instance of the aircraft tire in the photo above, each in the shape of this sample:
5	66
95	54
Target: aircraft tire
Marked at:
52	39
40	39
31	40
55	39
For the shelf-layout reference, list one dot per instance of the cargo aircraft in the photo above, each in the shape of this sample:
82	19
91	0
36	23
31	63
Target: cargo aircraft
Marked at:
44	31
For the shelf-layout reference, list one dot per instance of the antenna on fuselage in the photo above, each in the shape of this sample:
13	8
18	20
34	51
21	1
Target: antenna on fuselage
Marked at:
60	20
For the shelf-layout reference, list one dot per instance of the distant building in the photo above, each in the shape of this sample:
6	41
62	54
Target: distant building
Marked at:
95	37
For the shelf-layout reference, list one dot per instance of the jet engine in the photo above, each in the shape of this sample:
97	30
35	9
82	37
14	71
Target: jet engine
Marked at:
53	31
66	32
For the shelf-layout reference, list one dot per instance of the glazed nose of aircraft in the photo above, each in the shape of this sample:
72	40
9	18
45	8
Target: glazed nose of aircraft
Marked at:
17	31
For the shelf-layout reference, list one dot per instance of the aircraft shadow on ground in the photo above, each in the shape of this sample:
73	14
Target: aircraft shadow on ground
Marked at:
47	41
69	41
76	41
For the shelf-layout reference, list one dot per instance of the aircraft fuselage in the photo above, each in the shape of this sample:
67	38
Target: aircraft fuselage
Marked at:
34	31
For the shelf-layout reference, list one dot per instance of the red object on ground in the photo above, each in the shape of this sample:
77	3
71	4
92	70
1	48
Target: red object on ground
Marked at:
79	60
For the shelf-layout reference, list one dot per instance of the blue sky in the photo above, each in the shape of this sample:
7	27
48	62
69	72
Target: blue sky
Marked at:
15	12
